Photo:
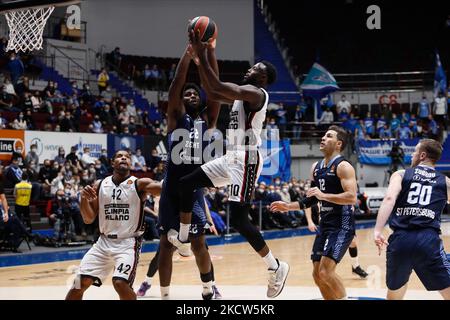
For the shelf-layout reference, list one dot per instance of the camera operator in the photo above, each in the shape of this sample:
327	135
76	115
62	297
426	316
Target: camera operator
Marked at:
397	155
65	210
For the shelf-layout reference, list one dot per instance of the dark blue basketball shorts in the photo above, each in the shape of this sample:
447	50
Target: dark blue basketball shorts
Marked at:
421	251
332	244
169	214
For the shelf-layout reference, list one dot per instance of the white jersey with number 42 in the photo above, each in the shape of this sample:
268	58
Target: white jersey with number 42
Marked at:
120	208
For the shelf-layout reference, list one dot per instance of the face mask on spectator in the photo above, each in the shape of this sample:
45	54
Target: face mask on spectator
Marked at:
285	189
92	170
33	150
98	166
105	154
84	177
67	190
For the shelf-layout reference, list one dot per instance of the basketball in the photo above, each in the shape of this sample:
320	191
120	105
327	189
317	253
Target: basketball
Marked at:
206	27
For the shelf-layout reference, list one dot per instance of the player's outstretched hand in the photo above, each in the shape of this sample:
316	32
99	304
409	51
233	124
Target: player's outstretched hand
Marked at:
89	193
197	45
312	227
279	206
380	241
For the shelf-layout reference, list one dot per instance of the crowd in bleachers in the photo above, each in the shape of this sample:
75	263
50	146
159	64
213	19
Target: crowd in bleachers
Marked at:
423	119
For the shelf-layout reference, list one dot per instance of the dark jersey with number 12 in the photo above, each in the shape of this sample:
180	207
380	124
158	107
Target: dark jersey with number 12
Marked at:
332	216
421	201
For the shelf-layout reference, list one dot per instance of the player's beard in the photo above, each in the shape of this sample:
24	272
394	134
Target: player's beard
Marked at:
191	110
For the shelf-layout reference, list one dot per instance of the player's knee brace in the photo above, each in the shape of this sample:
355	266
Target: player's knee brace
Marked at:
239	220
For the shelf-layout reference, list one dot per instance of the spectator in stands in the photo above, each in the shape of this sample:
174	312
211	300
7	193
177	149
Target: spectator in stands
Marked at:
99	105
15	67
424	109
13	174
72	156
154	159
22	194
369	124
96	125
107	95
106	116
102	80
433	128
18	155
381	121
413	128
132	128
384	133
86	158
116	57
296	127
150	218
28	117
395	125
86	93
37	102
138	161
159	172
33	178
124	116
343	104
101	171
440	109
86	178
404	132
67	123
5	99
131	108
32	155
405	117
8	87
327	117
3	45
360	130
57	184
272	130
155	78
171	72
281	117
105	160
61	157
19	123
3	122
45	173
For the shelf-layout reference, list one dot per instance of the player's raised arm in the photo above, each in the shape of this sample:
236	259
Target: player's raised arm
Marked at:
175	105
346	174
395	186
215	87
149	186
89	203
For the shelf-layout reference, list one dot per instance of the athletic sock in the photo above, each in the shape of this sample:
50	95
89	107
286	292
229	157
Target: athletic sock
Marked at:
184	232
165	293
270	261
355	262
148	280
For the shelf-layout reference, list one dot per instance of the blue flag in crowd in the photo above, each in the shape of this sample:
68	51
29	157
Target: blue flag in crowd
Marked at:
318	84
440	80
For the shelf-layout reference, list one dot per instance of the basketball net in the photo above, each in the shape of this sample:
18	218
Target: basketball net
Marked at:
26	27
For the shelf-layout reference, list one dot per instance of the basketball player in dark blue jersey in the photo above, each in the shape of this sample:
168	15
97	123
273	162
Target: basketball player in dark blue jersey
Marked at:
335	188
186	129
413	204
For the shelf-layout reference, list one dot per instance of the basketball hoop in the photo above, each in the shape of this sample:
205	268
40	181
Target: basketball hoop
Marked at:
26	21
26	27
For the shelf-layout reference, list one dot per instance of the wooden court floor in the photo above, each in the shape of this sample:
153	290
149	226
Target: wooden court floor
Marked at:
234	264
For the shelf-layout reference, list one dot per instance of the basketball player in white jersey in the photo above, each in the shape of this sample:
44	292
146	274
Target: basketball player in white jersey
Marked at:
117	200
241	166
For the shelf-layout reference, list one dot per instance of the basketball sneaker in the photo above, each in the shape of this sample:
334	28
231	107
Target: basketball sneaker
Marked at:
277	279
143	289
360	272
184	248
208	293
217	295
